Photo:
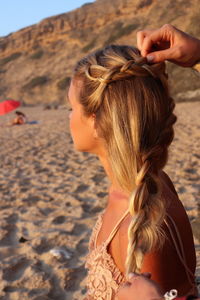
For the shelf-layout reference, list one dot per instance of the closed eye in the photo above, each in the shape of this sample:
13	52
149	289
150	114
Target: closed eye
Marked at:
65	106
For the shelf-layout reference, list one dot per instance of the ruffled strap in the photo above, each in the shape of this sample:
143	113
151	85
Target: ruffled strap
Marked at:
95	232
113	232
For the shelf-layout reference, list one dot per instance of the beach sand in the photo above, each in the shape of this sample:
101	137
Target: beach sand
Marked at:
50	196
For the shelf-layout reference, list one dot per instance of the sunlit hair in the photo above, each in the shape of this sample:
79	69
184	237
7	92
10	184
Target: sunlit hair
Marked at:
134	115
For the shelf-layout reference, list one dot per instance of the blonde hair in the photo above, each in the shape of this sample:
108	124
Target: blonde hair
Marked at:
134	115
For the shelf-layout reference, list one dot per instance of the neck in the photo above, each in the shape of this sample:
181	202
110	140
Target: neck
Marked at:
114	190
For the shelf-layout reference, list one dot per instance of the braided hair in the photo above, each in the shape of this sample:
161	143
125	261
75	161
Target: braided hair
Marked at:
134	115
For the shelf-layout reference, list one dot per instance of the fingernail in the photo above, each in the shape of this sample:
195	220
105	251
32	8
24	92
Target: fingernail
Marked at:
147	274
131	275
150	58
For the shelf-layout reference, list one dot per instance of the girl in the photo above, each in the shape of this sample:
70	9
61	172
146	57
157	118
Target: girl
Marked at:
122	112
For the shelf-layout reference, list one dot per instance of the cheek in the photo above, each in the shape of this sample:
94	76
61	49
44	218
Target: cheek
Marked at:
72	123
76	127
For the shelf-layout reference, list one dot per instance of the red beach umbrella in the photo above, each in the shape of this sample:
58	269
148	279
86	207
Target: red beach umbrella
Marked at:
8	105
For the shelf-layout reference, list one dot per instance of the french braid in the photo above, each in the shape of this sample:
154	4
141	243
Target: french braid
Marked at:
134	115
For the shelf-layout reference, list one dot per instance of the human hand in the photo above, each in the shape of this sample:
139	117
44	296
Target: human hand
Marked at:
139	287
169	43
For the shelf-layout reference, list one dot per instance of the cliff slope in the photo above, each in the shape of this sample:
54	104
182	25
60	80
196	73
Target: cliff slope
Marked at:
36	62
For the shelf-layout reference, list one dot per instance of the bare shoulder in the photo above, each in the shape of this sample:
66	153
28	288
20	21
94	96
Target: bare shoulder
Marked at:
174	207
166	181
169	196
159	262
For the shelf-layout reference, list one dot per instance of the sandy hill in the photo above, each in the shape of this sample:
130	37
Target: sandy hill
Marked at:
36	62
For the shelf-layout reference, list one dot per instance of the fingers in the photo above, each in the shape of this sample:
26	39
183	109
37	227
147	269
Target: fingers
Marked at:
154	38
141	36
144	279
151	40
133	275
159	56
123	292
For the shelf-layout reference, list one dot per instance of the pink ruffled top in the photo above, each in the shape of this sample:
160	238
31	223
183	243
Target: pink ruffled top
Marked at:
104	277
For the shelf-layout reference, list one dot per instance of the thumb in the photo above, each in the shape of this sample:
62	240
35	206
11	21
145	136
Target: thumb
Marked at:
160	56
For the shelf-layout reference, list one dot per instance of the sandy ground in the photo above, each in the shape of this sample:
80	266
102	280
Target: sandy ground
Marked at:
50	196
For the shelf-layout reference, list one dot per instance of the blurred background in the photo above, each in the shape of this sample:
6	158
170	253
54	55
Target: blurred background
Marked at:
36	62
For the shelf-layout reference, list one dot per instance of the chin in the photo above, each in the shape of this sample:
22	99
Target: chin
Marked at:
80	149
86	150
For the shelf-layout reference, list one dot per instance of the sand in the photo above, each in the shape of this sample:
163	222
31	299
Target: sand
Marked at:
50	196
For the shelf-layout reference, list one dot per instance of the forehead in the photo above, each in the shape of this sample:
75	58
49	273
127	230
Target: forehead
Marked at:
74	90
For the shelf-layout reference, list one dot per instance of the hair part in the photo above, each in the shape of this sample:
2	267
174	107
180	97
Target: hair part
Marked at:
134	115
